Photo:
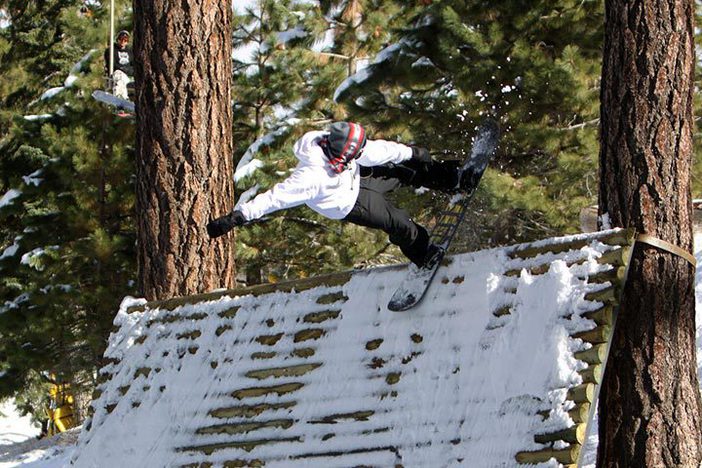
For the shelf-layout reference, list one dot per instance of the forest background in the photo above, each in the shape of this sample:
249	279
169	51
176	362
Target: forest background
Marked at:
419	72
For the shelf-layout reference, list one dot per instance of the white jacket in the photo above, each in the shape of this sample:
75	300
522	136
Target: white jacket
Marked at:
316	185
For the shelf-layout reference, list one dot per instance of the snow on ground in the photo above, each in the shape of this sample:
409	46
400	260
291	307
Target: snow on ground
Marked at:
14	427
19	445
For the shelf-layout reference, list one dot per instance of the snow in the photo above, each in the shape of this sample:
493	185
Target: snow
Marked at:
243	171
488	377
37	117
34	178
51	92
15	427
476	380
8	197
248	165
363	73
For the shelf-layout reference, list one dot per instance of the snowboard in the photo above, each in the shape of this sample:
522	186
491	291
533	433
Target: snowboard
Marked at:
415	284
114	101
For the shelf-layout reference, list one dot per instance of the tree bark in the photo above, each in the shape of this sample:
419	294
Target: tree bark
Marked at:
650	399
183	72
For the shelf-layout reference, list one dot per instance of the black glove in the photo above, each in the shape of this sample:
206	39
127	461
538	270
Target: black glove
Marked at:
421	154
224	224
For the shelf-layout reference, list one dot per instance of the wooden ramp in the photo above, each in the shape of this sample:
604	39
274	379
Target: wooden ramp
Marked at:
499	365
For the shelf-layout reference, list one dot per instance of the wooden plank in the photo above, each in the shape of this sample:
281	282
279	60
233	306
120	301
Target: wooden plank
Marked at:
602	316
607	295
573	435
594	355
624	237
280	390
592	374
568	455
249	411
595	336
584	393
288	371
247	445
246	427
335	279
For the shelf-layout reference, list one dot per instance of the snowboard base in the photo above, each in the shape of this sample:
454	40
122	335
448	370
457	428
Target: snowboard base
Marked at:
112	100
412	288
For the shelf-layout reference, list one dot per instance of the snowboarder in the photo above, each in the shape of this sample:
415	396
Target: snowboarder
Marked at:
343	175
123	70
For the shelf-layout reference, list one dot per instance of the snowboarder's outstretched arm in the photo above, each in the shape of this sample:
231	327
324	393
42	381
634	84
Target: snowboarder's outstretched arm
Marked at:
297	189
379	152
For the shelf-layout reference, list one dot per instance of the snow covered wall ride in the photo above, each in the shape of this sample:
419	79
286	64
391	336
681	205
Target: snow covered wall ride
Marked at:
499	365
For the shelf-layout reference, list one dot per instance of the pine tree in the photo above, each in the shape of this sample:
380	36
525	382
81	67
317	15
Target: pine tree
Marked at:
66	252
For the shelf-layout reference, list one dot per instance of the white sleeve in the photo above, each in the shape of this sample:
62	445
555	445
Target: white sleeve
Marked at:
379	152
300	187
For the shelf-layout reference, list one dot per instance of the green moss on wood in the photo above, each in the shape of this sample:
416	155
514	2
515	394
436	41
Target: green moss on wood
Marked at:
264	355
592	374
331	298
279	390
573	435
303	352
192	335
244	428
277	372
310	334
319	317
580	413
595	336
625	237
374	344
335	418
584	393
595	355
615	257
613	275
256	463
602	316
247	445
269	340
502	311
335	279
172	318
607	295
392	378
145	371
230	312
249	411
565	456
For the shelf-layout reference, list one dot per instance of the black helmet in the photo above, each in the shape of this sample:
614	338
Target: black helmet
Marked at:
344	143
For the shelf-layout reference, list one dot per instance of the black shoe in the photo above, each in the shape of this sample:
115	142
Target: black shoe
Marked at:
432	257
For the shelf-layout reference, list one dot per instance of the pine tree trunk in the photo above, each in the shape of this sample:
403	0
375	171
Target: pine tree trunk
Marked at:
184	144
650	400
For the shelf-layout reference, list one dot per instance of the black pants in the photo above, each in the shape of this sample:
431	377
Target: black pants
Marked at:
373	210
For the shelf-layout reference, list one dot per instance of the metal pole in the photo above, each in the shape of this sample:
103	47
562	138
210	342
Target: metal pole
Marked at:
112	39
